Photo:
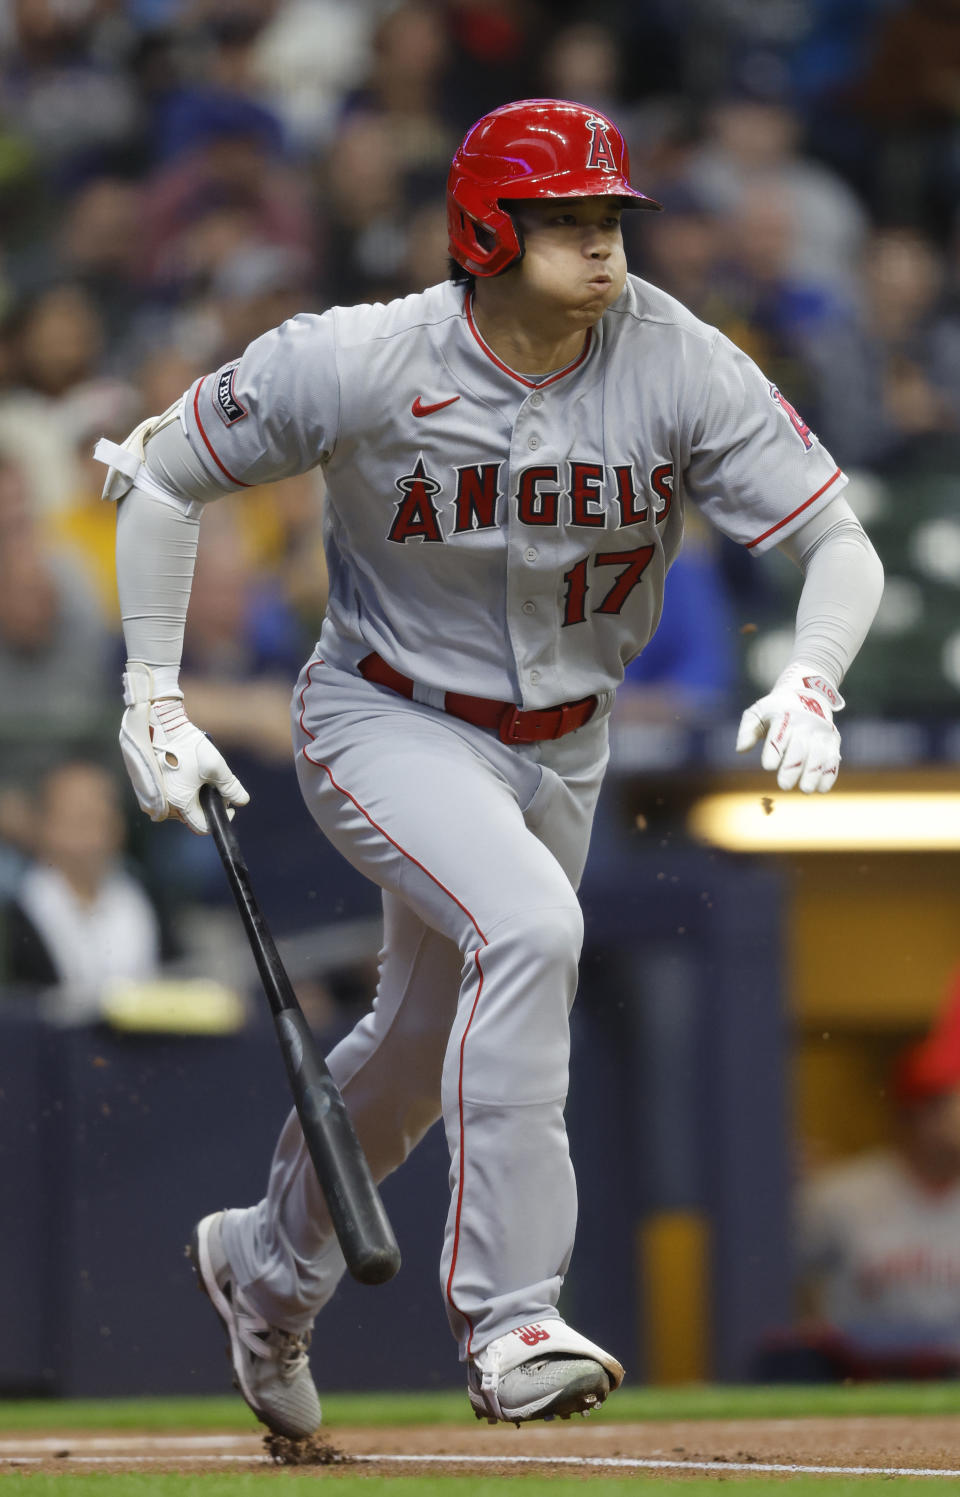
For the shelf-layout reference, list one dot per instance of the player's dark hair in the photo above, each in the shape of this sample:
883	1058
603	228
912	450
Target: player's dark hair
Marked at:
459	276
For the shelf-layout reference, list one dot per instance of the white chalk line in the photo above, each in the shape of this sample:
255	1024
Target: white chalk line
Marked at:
51	1443
194	1448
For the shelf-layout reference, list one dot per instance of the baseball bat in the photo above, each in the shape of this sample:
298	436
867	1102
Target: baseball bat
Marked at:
356	1210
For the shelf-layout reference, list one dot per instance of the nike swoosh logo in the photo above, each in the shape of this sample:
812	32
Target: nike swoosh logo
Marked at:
419	409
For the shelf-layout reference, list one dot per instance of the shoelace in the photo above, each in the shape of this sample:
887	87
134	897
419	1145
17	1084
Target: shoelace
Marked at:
292	1352
286	1348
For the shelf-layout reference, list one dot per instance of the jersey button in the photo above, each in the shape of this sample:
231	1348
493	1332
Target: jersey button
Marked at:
536	400
533	443
531	553
528	607
534	676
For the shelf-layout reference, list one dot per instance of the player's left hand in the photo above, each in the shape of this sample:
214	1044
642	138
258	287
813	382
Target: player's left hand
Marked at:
796	723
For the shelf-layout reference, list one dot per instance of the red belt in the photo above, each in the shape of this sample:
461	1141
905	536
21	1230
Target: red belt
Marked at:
511	724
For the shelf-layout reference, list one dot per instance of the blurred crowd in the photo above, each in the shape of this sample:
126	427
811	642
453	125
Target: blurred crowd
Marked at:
176	176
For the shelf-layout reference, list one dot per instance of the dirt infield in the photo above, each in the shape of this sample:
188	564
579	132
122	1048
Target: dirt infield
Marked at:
917	1443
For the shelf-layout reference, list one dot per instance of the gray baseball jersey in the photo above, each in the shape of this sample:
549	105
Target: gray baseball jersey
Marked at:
503	537
506	534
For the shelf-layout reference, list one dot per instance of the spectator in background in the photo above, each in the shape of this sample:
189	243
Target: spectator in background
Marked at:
763	303
22	194
879	1237
386	163
242	640
231	185
755	139
425	261
365	213
243	636
404	89
255	287
163	374
735	270
56	653
57	338
60	82
54	340
890	374
684	255
496	47
99	247
77	919
85	527
589	61
16	822
308	55
582	62
911	91
218	96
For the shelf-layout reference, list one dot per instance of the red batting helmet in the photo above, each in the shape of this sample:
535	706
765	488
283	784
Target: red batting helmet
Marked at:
536	148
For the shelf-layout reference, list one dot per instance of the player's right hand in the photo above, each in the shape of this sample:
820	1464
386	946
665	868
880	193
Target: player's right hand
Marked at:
795	722
168	758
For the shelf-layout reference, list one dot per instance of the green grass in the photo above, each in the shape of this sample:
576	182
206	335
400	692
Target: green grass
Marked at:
450	1407
385	1409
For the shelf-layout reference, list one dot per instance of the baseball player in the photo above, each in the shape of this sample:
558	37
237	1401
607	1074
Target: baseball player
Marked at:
507	458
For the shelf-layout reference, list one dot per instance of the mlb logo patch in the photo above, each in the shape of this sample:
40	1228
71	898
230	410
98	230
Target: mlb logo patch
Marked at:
228	406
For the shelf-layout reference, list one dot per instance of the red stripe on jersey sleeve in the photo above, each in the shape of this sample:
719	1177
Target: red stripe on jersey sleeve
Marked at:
798	511
207	443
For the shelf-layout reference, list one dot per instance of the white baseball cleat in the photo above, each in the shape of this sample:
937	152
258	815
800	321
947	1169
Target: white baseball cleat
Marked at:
566	1375
270	1365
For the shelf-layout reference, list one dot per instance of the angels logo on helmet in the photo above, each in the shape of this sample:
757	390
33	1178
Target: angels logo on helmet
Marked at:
601	151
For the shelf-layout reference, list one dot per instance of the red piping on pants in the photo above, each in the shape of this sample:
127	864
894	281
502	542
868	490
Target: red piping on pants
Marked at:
476	956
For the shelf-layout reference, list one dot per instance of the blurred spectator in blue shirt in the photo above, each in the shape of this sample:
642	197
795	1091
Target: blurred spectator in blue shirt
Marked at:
688	671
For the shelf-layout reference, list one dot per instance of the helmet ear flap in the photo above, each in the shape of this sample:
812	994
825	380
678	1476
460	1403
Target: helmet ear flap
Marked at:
483	236
517	230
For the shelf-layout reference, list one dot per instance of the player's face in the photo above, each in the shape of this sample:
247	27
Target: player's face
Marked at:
573	255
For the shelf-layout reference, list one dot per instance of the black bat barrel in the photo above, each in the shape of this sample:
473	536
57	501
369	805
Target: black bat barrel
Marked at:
356	1210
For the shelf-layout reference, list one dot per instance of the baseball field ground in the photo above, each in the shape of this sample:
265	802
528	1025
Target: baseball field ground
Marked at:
818	1440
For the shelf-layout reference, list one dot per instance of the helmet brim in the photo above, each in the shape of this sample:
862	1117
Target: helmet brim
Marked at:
533	189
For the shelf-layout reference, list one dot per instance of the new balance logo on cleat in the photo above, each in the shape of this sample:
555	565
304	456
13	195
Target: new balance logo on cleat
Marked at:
532	1335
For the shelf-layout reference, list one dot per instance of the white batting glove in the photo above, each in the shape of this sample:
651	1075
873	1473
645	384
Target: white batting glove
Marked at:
796	723
167	758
